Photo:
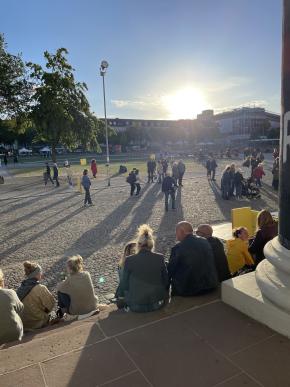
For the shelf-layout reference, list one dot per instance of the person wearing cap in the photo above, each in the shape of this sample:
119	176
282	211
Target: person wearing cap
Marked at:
191	266
220	258
37	300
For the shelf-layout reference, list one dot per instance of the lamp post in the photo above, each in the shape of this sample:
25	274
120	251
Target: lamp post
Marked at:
103	70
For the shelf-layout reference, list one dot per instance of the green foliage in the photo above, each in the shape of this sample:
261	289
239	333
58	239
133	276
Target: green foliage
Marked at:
61	111
15	88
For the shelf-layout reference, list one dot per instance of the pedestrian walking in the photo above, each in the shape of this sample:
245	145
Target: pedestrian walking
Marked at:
86	183
175	173
47	174
258	174
94	168
208	168
5	159
137	182
213	167
181	171
69	174
55	174
168	188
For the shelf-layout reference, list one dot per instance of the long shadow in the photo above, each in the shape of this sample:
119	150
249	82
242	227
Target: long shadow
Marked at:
39	210
16	207
141	213
17	246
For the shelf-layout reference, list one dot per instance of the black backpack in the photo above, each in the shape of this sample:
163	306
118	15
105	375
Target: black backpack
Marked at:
131	178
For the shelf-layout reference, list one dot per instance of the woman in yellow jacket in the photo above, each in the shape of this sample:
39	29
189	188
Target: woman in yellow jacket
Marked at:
237	250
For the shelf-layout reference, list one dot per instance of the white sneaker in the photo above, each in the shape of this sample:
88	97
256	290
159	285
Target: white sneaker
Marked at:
86	315
70	317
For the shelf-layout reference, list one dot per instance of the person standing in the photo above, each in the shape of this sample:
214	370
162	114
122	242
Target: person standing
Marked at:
69	174
55	174
213	167
191	266
208	168
175	173
181	171
94	168
169	191
5	159
226	183
151	166
137	182
238	179
275	172
47	174
232	179
160	175
258	174
86	183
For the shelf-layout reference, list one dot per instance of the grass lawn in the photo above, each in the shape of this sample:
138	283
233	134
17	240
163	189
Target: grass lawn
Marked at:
191	166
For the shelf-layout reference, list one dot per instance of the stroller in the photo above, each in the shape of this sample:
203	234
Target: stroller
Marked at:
249	189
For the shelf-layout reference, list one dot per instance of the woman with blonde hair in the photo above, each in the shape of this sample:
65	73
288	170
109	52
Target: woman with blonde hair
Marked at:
144	284
129	249
37	300
267	229
11	327
239	258
76	294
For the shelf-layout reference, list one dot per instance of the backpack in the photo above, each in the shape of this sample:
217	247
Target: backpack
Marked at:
131	178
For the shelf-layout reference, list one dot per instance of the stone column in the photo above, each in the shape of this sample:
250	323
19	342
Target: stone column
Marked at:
273	274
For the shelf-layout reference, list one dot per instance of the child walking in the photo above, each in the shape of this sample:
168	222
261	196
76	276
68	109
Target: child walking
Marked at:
86	183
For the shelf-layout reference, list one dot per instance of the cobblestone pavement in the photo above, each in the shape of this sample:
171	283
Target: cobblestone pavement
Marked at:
48	224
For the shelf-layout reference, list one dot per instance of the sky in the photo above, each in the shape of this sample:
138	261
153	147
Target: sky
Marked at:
168	59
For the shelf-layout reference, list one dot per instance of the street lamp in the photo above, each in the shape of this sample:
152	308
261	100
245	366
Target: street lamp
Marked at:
103	70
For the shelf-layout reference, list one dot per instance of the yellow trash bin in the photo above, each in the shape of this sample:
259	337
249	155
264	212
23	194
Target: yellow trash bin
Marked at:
83	162
245	217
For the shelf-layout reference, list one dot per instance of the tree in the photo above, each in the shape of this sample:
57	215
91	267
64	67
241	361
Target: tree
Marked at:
61	111
15	87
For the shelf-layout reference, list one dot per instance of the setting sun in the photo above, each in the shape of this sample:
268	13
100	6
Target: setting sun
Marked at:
184	103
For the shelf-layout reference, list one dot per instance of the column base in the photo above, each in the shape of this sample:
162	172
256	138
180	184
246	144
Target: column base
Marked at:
244	294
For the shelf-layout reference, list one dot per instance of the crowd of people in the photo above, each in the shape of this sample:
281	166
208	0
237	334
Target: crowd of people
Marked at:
197	264
159	172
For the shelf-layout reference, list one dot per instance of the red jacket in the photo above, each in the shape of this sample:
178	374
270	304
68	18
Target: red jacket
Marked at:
258	173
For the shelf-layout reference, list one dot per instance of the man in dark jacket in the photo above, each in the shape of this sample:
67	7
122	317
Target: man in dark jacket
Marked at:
221	262
55	174
181	171
47	174
151	166
213	167
191	265
168	189
131	179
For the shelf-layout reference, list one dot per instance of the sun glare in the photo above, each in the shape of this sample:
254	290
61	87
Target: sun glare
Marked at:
184	103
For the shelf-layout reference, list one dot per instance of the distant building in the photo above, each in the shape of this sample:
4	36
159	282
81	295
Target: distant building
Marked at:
237	124
247	122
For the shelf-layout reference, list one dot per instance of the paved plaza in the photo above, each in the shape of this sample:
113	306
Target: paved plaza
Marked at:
48	224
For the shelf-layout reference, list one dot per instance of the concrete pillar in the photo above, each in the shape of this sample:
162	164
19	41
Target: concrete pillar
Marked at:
273	274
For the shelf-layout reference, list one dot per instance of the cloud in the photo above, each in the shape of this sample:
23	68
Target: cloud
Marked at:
137	104
253	103
227	84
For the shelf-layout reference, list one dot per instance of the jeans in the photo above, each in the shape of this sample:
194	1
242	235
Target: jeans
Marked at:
150	176
239	190
258	182
87	196
225	191
46	178
213	174
180	177
56	181
63	302
172	195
